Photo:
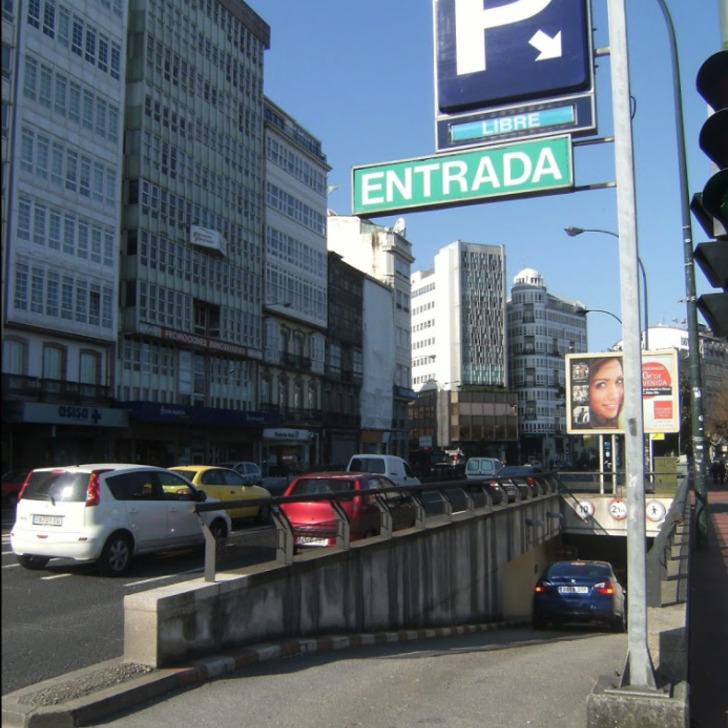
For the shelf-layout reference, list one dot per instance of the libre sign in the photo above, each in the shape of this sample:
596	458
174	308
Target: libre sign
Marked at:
536	166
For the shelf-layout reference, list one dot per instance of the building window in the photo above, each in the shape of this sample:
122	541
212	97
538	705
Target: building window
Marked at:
15	356
53	362
89	367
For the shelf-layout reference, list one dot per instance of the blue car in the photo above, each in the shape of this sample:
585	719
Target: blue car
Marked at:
579	591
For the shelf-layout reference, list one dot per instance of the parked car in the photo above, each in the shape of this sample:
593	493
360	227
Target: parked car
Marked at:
523	477
12	483
228	485
107	513
314	522
251	472
478	468
393	467
579	591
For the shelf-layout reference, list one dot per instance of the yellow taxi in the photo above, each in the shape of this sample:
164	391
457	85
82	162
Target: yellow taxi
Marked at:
227	485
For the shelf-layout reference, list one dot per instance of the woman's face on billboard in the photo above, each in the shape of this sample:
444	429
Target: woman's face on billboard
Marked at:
606	391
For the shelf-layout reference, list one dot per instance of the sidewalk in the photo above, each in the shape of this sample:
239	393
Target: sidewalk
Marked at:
708	619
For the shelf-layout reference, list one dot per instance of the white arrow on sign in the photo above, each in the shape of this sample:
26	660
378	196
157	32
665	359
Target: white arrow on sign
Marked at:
548	47
471	20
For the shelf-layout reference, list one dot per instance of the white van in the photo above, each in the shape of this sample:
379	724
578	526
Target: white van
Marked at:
395	468
478	468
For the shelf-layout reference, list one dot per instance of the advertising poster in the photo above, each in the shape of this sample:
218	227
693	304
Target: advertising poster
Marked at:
595	392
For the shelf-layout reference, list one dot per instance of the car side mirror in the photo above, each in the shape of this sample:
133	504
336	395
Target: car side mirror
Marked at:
200	495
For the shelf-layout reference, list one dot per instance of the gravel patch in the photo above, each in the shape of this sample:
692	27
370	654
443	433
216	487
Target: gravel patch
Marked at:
86	684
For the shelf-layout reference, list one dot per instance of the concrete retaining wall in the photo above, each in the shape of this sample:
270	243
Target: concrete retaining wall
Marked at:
479	567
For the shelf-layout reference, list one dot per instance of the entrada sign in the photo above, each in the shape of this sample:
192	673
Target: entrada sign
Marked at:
536	166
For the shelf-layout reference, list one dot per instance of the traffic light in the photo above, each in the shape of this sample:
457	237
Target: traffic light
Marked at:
711	206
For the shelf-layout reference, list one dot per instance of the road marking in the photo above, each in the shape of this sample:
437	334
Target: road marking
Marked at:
162	578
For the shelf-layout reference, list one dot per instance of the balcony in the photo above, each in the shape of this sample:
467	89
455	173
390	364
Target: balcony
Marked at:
296	361
18	386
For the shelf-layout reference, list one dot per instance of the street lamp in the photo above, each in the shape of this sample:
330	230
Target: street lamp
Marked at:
572	232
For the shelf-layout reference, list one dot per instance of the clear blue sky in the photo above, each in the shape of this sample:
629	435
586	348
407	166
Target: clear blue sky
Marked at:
359	76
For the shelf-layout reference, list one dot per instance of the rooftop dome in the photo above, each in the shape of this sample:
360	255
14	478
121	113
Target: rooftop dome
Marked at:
529	277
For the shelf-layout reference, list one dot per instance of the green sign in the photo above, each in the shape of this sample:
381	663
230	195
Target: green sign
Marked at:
528	167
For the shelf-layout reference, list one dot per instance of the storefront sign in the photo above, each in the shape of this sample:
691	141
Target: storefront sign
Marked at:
65	414
286	434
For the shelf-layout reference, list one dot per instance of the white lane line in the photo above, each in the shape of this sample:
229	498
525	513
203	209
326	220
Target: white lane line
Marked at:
162	578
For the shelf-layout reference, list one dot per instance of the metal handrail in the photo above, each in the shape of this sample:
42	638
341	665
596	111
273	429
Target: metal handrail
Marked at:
284	541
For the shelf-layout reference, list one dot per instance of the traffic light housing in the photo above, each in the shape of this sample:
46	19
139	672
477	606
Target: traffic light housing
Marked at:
711	206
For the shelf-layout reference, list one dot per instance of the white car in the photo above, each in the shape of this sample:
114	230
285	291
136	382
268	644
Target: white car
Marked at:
252	474
108	513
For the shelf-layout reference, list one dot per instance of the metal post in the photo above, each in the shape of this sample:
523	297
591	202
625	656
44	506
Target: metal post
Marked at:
638	670
694	355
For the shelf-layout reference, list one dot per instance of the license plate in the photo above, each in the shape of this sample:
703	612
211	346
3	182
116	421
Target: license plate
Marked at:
311	541
573	590
39	520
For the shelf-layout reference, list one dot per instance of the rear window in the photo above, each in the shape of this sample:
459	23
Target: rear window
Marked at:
568	568
58	485
481	465
313	486
367	465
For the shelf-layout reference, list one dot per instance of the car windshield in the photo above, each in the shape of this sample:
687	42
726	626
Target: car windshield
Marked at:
313	486
57	485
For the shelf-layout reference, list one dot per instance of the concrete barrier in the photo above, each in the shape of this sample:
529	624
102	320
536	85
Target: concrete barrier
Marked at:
450	572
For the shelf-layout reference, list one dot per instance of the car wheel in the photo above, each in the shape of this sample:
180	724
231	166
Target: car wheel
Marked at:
539	622
34	563
263	518
620	623
218	529
116	556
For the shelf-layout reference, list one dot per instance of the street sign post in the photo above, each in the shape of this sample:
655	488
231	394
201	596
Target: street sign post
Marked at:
529	167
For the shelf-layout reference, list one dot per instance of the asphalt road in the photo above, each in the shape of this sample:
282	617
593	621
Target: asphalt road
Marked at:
511	678
67	616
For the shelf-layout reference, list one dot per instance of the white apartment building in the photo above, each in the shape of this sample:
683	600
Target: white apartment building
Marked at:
294	295
63	83
193	214
385	254
458	318
459	355
542	329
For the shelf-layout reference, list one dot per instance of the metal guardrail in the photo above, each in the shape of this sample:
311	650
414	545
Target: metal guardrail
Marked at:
474	494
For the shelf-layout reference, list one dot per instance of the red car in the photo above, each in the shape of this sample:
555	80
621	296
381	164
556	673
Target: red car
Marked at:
314	522
12	483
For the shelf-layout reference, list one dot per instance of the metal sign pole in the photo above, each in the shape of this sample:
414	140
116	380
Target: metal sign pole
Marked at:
639	670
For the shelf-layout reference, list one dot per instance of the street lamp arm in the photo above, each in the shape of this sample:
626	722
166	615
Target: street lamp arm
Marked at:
572	231
601	310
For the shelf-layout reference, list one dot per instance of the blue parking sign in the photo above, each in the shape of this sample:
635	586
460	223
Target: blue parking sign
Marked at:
491	52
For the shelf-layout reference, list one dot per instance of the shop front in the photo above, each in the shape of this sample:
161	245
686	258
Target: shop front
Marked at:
40	434
286	452
172	434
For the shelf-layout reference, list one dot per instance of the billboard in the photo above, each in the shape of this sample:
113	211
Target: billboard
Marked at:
595	393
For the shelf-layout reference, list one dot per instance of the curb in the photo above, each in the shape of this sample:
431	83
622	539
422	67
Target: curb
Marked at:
20	710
